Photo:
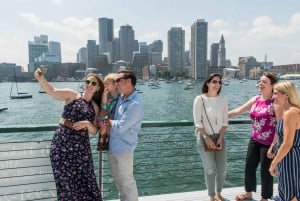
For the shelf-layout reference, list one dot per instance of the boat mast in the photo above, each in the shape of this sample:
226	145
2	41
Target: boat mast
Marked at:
16	81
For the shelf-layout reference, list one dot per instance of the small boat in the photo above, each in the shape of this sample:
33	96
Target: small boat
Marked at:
21	96
155	87
41	91
2	109
18	95
187	87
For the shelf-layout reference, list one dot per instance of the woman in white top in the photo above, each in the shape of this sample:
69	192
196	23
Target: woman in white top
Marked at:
210	112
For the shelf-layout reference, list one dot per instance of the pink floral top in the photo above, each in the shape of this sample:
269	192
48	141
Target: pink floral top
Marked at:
263	119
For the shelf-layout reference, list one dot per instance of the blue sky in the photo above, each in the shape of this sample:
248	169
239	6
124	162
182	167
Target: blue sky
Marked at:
250	27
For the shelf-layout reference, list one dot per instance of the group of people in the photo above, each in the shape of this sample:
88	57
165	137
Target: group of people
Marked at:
274	141
115	100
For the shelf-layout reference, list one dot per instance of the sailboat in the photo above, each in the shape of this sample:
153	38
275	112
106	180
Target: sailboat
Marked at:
19	95
2	109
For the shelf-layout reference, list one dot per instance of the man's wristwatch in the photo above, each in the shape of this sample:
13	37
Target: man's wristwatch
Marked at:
204	136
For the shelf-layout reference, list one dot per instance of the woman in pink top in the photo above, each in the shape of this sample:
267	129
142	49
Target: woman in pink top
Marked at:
263	119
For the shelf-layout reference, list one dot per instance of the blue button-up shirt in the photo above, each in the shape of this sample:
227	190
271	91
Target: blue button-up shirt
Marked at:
126	124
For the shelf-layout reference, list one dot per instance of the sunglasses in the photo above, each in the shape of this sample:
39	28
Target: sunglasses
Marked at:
93	83
121	78
216	81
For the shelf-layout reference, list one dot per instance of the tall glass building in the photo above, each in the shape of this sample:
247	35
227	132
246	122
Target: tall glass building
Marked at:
199	49
176	48
106	37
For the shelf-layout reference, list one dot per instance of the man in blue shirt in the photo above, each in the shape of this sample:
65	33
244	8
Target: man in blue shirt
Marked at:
124	130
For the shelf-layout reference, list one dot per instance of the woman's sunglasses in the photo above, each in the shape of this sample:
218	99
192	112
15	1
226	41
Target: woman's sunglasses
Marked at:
93	83
216	81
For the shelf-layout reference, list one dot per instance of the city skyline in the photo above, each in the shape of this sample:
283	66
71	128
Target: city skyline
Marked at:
251	28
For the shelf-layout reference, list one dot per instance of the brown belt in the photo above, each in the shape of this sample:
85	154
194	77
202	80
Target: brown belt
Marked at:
66	123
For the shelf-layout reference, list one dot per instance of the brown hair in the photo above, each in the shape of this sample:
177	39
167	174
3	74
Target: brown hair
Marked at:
128	74
273	78
208	79
98	94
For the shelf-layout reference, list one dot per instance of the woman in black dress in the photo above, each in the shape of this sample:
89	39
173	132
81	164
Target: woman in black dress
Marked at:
70	153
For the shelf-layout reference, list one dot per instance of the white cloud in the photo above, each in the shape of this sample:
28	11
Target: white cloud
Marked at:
219	23
30	17
82	29
56	2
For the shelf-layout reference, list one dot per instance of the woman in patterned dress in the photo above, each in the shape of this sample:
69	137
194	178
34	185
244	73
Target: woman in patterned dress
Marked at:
70	153
263	119
287	160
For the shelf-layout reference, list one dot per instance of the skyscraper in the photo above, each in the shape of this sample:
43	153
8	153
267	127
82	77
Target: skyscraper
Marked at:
214	54
126	38
106	36
199	49
176	48
222	53
91	53
35	49
54	48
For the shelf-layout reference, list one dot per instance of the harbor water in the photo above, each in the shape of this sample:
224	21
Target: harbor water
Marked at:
168	102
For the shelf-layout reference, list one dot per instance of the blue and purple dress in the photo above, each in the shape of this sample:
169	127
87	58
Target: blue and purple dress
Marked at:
71	156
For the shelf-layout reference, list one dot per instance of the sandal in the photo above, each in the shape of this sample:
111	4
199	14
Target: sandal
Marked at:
243	196
219	198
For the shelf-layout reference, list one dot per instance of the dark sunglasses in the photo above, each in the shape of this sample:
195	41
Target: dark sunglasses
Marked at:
93	83
121	78
216	81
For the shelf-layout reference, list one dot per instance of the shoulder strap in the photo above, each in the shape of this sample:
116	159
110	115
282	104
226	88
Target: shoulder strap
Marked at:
206	115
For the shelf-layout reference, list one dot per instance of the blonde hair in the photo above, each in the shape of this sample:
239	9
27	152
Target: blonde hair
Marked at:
111	76
289	88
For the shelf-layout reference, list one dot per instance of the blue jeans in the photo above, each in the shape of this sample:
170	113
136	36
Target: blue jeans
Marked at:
121	169
215	167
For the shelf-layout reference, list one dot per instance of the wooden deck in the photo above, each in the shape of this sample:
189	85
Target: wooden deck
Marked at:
228	193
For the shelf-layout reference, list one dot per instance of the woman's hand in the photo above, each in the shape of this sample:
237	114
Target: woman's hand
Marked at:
270	153
273	169
219	145
81	125
38	74
210	144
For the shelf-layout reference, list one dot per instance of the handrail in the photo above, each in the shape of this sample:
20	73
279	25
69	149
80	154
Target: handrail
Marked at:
145	124
177	156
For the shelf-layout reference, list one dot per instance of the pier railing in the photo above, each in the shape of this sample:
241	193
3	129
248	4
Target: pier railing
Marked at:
166	160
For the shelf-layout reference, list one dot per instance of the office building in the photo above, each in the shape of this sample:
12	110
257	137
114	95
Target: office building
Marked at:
55	49
127	42
199	49
35	49
106	36
176	48
222	53
214	52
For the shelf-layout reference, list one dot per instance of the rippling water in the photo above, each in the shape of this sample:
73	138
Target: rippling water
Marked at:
170	102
